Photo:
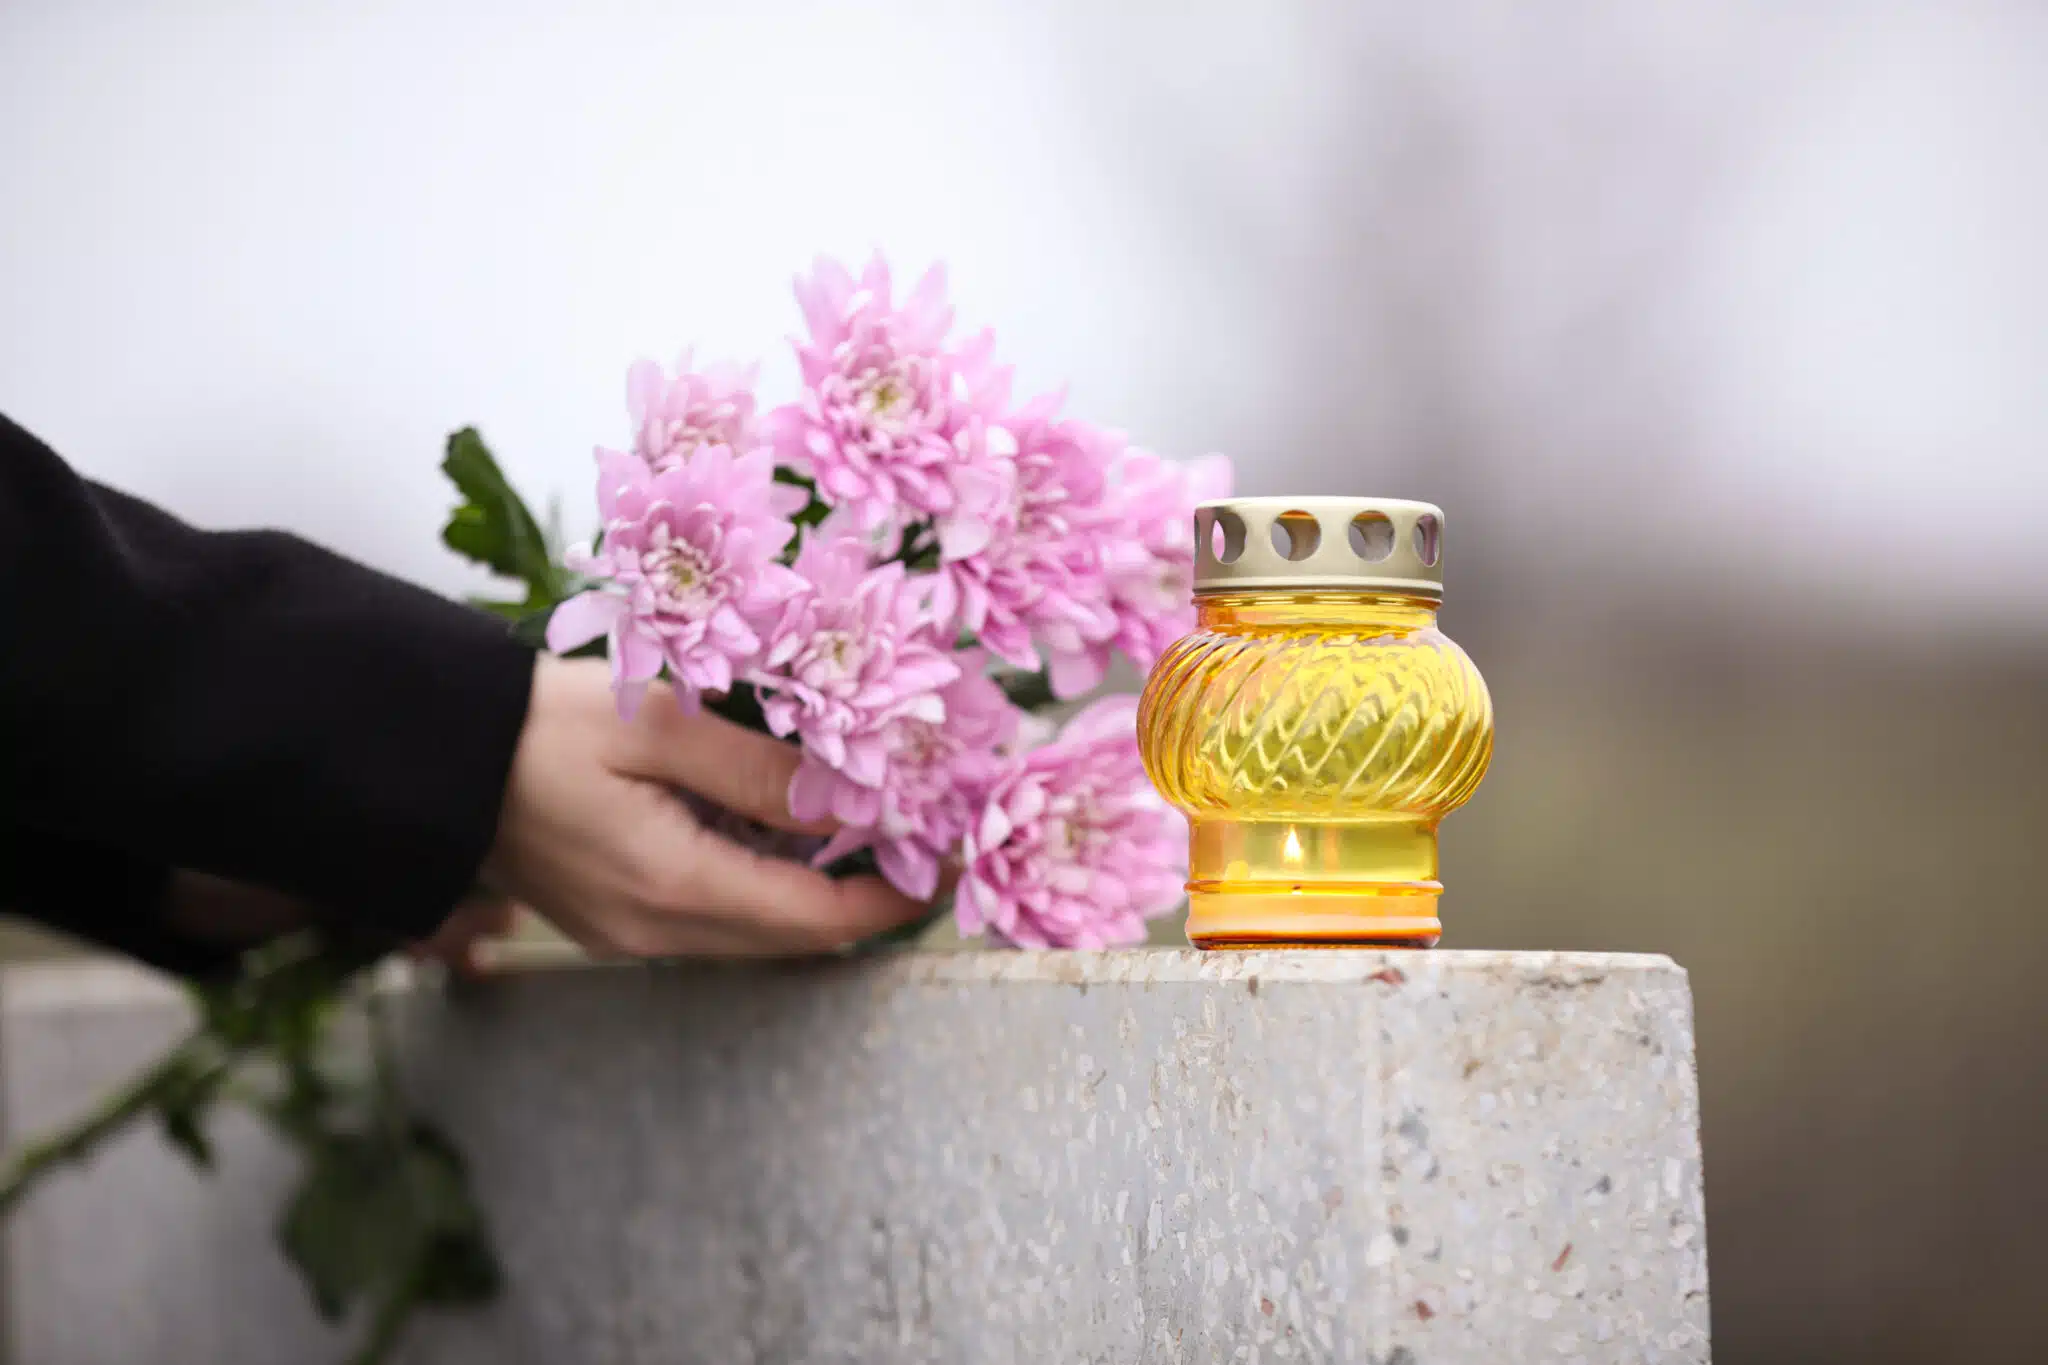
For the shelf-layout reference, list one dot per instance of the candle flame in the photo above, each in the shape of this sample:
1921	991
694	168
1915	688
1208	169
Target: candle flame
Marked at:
1291	851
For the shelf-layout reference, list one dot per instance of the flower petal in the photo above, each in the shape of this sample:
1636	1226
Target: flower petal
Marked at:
1075	674
849	839
581	619
867	760
643	390
810	790
961	537
910	867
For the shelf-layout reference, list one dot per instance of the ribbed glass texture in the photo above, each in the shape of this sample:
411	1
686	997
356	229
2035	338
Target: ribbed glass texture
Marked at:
1315	741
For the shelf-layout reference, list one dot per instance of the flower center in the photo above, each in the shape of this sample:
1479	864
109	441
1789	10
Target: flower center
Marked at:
680	437
1039	501
920	743
683	573
1075	832
886	389
834	650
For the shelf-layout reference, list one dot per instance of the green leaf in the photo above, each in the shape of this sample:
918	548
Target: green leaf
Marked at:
459	1269
493	525
919	551
515	612
186	1088
346	1220
456	1263
299	1108
380	1215
181	1126
813	511
1031	691
383	1216
530	628
439	1178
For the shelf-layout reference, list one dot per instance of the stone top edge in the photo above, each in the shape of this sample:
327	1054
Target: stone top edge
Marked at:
1371	966
47	987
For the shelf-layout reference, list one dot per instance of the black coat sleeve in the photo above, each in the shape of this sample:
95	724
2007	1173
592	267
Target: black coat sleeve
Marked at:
239	703
104	896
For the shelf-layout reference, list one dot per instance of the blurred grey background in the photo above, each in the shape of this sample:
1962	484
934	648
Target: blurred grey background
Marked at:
1717	328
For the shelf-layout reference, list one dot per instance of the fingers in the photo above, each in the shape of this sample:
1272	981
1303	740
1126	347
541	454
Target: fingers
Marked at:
740	769
458	943
793	905
754	905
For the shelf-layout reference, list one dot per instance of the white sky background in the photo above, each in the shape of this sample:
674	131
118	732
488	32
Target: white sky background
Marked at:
256	261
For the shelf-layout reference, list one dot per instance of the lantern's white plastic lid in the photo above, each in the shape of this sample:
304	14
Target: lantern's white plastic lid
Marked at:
1352	544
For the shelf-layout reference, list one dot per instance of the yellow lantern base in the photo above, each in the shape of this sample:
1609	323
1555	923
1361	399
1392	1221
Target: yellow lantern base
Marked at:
1363	915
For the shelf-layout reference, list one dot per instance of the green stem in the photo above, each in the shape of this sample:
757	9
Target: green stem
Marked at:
395	1310
383	1066
195	1061
203	1058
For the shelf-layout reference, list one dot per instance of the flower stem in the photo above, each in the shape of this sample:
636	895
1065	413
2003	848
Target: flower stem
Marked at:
196	1061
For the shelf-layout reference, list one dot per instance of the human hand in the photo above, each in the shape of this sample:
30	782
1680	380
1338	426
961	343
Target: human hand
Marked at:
594	838
459	943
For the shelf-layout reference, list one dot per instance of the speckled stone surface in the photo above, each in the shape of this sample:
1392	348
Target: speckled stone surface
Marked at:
1399	1159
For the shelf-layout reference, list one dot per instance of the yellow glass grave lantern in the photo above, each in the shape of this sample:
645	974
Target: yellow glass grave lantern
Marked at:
1317	726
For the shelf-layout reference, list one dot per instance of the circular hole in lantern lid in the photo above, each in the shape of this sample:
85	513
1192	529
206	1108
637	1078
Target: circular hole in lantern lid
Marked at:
1429	534
1295	535
1372	536
1226	537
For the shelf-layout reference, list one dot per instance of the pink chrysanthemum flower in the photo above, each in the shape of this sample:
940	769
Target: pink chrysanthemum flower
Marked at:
1039	577
1074	848
885	401
1148	561
688	569
849	659
674	418
939	775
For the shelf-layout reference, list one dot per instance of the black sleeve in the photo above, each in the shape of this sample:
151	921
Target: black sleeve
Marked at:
102	896
244	704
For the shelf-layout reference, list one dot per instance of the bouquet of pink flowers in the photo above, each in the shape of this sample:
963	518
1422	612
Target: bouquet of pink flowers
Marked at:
893	571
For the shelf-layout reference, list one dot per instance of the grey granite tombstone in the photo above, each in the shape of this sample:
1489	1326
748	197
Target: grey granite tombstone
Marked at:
1403	1159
